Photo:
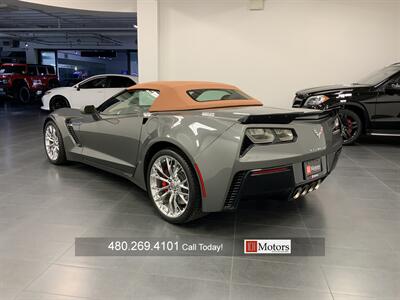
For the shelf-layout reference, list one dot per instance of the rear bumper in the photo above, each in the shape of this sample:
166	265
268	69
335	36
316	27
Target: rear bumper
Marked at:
284	181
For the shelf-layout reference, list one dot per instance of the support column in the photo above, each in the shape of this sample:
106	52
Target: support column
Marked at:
147	15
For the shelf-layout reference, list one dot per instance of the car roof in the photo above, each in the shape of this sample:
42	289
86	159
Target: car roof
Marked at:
174	97
13	64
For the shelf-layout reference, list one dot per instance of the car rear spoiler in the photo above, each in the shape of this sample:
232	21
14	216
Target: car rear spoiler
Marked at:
288	117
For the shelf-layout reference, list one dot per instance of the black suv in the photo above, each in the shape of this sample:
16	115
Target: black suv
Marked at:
370	106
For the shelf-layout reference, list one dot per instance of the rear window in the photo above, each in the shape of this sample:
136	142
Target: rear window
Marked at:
203	95
51	70
42	70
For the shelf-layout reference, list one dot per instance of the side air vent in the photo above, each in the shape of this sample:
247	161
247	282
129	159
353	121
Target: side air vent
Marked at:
73	133
232	199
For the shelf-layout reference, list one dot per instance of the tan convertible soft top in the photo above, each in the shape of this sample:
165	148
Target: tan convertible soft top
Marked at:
173	95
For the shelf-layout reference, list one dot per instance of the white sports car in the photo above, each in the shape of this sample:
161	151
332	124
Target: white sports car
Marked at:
92	91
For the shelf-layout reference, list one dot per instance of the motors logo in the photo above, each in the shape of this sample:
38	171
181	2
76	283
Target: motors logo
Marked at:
267	246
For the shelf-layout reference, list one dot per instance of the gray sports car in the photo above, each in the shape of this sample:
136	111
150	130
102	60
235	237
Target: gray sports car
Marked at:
198	147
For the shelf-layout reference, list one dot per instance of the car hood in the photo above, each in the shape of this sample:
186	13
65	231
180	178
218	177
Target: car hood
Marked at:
331	89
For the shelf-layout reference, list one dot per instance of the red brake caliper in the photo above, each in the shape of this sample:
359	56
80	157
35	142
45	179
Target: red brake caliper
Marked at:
349	126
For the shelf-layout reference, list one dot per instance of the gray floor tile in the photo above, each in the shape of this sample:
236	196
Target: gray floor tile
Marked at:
84	282
18	273
361	282
246	292
283	275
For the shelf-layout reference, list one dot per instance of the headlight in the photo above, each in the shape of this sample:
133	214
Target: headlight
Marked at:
48	92
316	100
270	135
336	126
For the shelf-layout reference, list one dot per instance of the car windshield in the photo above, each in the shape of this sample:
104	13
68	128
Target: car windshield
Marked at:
380	75
12	69
217	94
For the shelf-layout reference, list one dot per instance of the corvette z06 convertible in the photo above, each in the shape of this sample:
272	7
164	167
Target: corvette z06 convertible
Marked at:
198	147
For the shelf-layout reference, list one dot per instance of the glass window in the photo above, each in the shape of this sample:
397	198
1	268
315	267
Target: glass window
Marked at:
379	76
129	102
9	69
120	82
32	71
48	58
217	94
42	70
97	83
51	70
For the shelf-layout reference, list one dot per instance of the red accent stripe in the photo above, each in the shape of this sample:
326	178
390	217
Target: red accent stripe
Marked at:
269	171
203	188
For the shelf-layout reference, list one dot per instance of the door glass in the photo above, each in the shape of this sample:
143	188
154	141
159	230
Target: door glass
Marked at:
129	102
120	82
32	71
42	70
51	70
97	83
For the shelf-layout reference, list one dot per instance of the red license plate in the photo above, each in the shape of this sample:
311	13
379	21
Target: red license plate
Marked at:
312	168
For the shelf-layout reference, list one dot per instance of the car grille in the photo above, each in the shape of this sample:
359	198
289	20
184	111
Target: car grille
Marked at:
234	191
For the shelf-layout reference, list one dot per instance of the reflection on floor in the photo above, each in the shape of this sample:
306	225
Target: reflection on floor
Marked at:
44	207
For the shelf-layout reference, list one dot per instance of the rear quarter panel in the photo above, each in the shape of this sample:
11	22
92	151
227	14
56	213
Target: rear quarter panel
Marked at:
191	133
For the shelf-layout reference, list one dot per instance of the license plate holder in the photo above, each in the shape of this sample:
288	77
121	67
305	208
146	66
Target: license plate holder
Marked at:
312	168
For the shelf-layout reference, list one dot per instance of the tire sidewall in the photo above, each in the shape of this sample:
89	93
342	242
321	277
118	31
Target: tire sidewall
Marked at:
61	155
194	191
23	89
357	119
58	99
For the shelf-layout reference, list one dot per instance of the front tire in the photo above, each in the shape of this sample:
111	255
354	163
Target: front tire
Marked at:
173	187
22	94
58	102
352	126
53	144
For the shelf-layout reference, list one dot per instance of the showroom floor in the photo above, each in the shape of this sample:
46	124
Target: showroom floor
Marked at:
44	207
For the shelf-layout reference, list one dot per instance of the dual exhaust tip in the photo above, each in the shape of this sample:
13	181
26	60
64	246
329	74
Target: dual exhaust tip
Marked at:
303	190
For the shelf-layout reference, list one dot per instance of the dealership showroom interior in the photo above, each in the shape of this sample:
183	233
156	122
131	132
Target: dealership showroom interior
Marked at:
199	149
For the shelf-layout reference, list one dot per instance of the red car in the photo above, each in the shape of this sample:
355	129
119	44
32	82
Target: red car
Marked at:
23	81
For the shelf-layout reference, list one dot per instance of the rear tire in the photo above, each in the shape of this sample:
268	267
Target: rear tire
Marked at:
173	187
352	126
22	93
53	144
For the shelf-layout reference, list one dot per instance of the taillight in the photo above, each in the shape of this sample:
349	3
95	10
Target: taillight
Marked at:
270	135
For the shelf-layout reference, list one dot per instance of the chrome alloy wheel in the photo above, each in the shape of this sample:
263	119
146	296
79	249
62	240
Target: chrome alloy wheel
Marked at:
169	186
52	143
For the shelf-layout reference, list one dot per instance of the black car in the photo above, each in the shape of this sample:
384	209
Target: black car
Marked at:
369	106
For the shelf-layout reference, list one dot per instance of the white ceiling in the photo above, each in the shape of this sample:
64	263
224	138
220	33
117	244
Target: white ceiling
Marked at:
57	26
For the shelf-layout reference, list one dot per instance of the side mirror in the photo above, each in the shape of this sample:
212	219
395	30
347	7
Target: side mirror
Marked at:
88	110
393	89
78	88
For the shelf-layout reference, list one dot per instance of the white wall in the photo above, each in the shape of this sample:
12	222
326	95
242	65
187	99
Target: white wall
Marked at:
274	52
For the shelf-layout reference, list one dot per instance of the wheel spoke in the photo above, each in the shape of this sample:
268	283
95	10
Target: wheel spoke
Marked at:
160	170
159	177
183	198
167	160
